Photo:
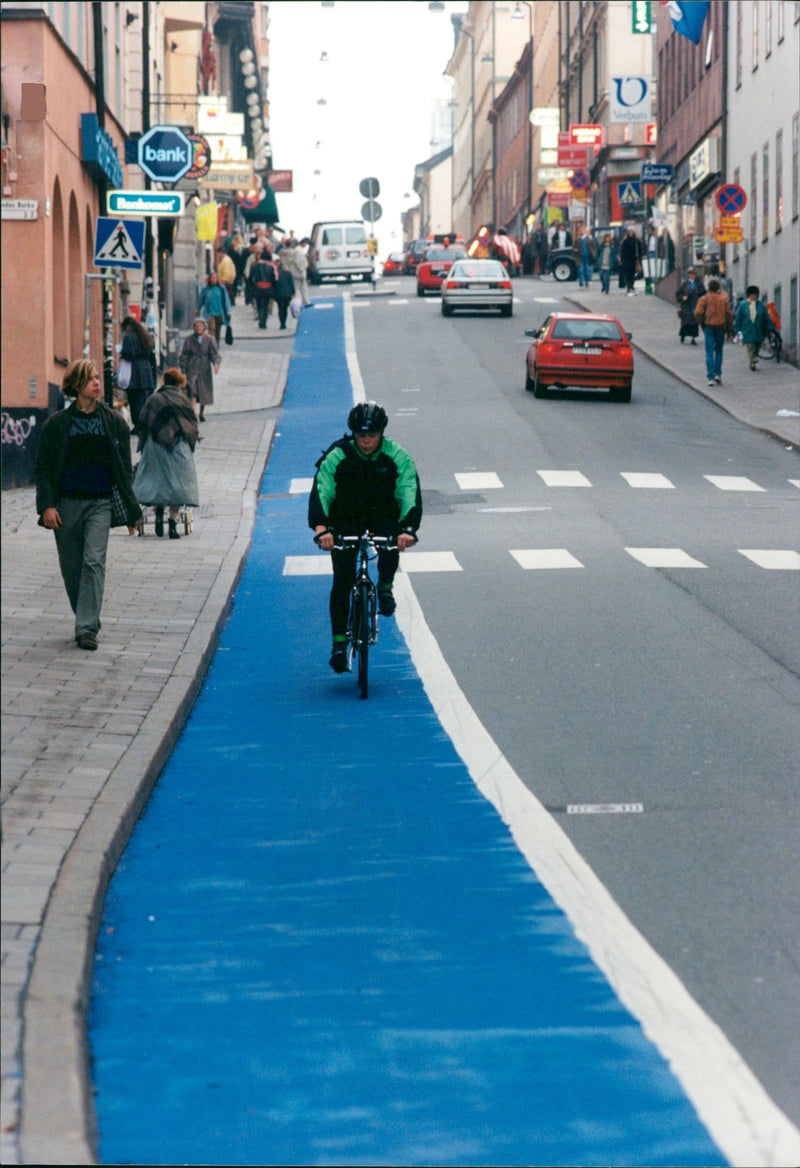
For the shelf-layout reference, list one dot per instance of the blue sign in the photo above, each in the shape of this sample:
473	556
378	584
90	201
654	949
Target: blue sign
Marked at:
98	152
579	180
118	243
656	172
731	199
630	193
165	153
158	203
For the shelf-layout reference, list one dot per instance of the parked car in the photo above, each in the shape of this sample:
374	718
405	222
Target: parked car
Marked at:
414	255
339	248
561	262
393	264
589	350
477	284
433	267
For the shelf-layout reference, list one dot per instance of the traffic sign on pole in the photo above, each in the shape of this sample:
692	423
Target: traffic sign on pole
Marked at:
165	153
369	188
118	243
731	199
371	211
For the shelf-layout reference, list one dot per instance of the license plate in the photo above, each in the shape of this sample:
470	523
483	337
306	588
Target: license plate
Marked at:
474	285
353	254
587	350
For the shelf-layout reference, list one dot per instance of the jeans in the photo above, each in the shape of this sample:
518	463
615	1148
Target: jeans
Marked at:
584	273
82	542
715	339
605	279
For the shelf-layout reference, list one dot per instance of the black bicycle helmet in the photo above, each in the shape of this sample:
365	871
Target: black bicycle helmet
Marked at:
367	418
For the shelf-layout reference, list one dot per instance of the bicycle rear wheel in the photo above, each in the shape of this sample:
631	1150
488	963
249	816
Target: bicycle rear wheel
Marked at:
362	629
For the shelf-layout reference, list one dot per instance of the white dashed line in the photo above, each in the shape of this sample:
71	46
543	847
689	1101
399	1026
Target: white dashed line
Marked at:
563	478
533	559
664	558
733	483
478	481
653	482
773	561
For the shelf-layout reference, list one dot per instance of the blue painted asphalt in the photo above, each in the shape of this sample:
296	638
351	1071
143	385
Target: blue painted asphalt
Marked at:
322	946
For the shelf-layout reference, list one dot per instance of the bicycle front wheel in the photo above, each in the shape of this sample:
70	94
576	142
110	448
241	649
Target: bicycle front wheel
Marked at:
362	628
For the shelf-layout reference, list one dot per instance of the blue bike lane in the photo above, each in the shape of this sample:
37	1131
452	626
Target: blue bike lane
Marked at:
322	945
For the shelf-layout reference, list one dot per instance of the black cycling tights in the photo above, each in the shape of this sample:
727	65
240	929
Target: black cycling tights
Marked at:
344	572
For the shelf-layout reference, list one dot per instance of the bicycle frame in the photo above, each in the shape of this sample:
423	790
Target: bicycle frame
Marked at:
362	620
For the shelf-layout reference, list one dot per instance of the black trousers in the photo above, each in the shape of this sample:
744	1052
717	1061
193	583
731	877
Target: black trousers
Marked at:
344	573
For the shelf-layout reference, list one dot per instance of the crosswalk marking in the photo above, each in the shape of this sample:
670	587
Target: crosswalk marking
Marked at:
430	562
733	483
664	558
536	558
655	482
307	566
563	478
478	481
773	560
795	482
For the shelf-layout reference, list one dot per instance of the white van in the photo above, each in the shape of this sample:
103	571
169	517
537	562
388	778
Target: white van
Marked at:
339	248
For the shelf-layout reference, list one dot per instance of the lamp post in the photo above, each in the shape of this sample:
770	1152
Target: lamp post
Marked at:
518	14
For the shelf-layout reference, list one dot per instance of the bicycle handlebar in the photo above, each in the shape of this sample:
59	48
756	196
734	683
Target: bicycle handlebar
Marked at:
376	541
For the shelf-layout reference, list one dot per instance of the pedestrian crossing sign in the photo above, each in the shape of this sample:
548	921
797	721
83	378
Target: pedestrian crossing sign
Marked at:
630	193
118	243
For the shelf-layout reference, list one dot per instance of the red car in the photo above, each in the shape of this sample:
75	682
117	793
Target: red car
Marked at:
588	350
434	266
393	264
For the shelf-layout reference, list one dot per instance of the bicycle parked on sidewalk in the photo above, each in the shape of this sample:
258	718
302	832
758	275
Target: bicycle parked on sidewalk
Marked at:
362	620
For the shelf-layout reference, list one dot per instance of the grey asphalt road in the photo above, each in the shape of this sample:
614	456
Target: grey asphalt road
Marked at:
611	681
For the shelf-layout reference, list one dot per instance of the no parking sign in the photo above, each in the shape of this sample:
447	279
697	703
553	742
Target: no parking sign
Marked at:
731	199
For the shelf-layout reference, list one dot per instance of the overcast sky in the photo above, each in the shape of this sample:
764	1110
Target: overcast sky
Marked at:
385	64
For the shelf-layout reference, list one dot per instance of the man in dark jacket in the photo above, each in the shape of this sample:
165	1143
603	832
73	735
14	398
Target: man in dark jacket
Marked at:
263	279
365	482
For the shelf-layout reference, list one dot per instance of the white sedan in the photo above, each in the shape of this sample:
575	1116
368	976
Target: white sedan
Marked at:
475	284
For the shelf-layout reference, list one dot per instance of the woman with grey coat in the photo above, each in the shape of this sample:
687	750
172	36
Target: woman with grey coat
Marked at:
198	357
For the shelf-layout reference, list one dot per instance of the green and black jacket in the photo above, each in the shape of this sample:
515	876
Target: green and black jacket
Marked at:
353	492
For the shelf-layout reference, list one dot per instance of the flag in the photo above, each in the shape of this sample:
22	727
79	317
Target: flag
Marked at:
688	17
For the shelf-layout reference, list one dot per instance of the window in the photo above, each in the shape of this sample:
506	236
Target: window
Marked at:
793	311
754	10
332	236
765	193
778	181
737	181
777	297
767	29
795	165
355	235
780	20
753	199
738	43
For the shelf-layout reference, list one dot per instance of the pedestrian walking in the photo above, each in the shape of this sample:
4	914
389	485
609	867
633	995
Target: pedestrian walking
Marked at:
167	430
299	270
753	322
263	278
713	312
137	348
584	250
199	356
687	296
214	305
83	489
539	243
630	260
608	257
226	274
284	289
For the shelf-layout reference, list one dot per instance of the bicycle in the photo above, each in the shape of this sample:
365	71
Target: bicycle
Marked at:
362	619
771	346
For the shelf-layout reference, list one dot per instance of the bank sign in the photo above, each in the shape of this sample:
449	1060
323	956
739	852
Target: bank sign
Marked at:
631	99
165	153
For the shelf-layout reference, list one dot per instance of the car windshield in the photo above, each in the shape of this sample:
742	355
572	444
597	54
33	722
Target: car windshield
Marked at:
478	269
586	330
442	253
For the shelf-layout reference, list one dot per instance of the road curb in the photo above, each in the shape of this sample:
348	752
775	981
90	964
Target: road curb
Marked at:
58	1121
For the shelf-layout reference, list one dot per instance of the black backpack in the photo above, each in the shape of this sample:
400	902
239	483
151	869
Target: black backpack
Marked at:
340	442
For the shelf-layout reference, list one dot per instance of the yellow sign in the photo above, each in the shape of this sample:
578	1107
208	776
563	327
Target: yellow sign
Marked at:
206	221
729	235
730	221
372	245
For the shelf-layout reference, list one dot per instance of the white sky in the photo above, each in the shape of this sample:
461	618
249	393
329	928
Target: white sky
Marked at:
385	63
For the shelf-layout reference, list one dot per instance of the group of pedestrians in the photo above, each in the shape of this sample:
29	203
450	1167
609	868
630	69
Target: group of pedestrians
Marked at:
271	272
710	308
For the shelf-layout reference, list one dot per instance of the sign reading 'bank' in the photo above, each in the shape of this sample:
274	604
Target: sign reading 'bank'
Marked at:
165	153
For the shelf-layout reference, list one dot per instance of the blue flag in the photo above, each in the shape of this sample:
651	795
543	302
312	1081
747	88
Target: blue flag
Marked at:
688	17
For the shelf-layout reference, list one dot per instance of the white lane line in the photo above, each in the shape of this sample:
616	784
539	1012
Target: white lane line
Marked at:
795	482
300	486
307	566
605	808
664	558
563	478
400	301
733	483
430	562
773	561
478	481
323	304
653	482
509	510
739	1114
536	558
729	1099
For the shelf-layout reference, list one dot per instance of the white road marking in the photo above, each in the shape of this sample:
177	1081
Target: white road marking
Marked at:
664	558
323	304
478	481
300	486
654	482
773	561
509	510
739	1114
430	562
795	482
535	558
319	565
400	300
733	483
605	808
563	478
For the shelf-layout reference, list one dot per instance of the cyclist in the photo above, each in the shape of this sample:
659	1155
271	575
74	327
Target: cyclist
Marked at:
364	482
752	321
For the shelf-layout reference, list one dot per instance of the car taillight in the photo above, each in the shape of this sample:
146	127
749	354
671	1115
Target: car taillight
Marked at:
547	349
452	284
504	284
625	351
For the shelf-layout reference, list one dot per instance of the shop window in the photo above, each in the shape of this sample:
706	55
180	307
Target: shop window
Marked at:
778	181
